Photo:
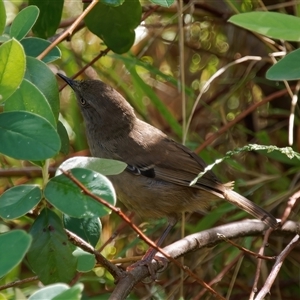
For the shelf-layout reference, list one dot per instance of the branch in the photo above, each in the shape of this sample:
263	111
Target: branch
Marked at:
276	268
196	241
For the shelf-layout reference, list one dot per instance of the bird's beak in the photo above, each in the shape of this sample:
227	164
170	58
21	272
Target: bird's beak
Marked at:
68	80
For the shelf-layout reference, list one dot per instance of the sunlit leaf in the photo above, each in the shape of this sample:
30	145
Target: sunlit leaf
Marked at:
12	67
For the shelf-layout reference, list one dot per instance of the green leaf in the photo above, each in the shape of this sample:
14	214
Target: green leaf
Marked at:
271	24
29	98
89	229
23	22
60	191
12	67
64	138
13	247
43	78
2	17
34	46
73	293
50	255
86	261
49	18
115	25
101	165
113	2
165	3
50	291
19	200
27	136
286	68
58	291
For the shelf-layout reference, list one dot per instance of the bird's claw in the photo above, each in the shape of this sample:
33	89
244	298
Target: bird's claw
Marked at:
161	261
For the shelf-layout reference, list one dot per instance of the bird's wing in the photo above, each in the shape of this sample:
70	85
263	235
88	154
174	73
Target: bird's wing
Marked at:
167	160
183	166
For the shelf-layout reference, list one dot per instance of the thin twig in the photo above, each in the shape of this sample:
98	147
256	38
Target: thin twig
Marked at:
102	53
247	251
285	215
30	172
18	282
290	204
276	268
259	263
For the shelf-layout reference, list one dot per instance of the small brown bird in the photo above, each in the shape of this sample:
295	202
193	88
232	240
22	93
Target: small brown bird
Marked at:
156	182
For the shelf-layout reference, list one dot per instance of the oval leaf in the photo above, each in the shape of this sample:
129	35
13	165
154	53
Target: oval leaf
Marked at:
66	196
42	77
58	291
29	98
19	200
27	136
115	25
101	165
86	261
12	67
166	3
286	68
13	247
89	229
56	264
34	46
23	22
73	293
48	292
64	138
271	24
49	18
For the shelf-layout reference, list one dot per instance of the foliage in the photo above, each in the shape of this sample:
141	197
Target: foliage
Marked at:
41	129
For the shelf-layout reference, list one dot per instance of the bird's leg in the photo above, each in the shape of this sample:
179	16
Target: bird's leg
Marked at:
150	254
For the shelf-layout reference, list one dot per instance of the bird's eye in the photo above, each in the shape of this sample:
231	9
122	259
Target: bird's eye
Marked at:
82	101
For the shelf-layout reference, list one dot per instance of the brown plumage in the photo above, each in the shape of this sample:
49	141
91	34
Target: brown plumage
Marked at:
156	181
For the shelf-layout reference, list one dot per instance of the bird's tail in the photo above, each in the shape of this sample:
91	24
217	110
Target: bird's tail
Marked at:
251	208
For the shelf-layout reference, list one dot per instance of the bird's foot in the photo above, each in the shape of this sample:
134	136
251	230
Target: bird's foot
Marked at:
149	263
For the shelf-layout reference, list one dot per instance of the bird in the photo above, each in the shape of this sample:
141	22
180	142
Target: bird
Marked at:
156	181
